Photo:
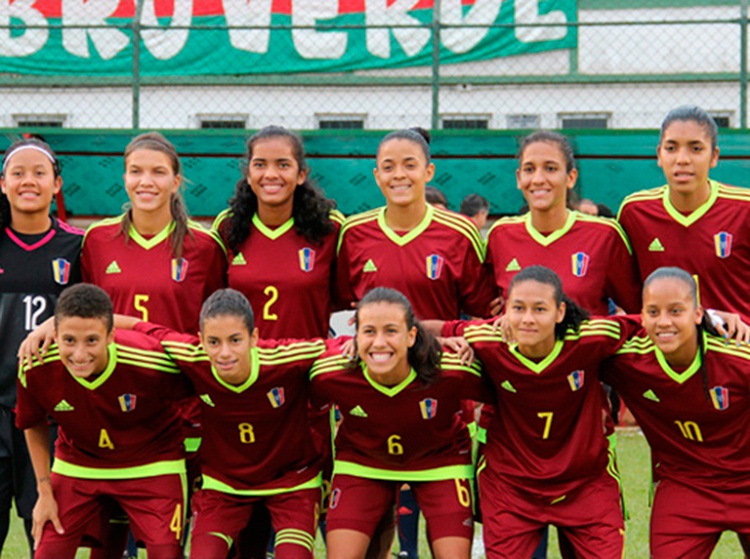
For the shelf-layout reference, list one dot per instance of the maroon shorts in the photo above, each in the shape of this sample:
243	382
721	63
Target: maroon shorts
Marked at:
687	521
155	506
360	503
218	519
590	517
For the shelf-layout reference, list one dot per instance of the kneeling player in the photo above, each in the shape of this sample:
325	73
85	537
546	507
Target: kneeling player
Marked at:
256	439
401	406
117	440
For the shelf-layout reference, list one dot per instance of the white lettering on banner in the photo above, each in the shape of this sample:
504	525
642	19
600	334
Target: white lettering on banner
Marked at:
166	43
527	12
31	40
108	42
239	14
379	13
310	43
483	12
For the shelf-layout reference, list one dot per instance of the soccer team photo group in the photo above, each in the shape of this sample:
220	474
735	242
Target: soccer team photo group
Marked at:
171	389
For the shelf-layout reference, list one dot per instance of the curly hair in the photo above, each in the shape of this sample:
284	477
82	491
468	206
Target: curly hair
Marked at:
310	210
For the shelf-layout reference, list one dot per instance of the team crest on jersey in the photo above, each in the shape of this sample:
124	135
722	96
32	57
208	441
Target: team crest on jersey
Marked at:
434	266
428	407
723	244
580	264
179	269
720	397
61	271
276	397
335	496
575	379
306	259
127	402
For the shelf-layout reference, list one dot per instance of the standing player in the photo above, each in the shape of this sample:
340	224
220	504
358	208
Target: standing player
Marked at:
433	256
591	255
117	439
547	459
401	423
690	393
183	262
281	235
39	256
256	443
693	222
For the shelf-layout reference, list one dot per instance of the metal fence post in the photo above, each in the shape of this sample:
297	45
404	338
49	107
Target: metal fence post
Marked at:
435	65
743	64
136	85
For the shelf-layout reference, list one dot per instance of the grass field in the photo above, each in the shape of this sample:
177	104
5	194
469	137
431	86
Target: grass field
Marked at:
633	458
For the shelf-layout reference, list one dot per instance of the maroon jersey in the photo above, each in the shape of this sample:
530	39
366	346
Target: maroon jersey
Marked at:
547	435
591	255
439	265
408	432
145	280
288	280
700	434
256	439
713	242
113	422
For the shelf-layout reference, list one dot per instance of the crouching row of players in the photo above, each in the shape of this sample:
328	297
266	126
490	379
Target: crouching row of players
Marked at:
546	461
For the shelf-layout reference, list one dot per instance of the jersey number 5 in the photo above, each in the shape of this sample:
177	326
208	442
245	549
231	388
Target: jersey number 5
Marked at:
139	303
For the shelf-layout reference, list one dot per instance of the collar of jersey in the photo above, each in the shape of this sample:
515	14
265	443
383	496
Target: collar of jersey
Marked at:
687	373
688	220
249	381
552	237
106	373
272	234
537	367
148	244
389	391
402	240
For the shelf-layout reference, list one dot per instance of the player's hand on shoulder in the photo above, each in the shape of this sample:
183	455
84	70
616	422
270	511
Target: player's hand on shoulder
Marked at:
730	325
37	342
460	346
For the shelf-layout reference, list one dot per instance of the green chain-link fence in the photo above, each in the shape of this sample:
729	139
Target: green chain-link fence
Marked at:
372	64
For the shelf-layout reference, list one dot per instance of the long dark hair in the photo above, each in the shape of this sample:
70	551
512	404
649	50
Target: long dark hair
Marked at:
574	314
310	210
424	355
673	272
5	211
156	142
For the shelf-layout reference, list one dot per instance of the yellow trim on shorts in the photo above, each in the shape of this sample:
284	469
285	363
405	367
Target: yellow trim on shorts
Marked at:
164	467
460	471
216	485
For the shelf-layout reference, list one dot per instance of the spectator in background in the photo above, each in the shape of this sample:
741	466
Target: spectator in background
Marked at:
436	197
476	208
589	207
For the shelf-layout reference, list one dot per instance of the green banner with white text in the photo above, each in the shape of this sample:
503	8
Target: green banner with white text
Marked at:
243	37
